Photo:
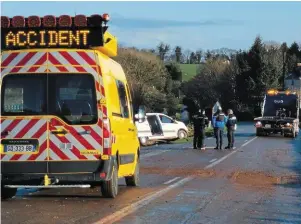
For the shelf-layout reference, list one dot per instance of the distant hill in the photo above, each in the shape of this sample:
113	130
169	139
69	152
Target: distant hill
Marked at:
189	70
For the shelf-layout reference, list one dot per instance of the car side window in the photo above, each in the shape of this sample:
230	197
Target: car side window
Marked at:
166	120
124	107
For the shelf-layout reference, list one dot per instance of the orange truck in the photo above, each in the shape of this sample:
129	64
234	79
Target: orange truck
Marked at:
67	118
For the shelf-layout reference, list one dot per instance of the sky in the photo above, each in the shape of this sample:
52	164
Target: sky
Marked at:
191	25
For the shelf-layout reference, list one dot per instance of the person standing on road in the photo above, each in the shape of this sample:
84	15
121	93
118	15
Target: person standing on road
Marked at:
204	122
219	121
231	126
199	124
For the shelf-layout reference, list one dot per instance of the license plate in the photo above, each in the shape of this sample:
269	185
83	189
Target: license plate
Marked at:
19	148
268	126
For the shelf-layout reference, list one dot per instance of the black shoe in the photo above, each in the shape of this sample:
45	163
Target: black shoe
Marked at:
195	148
216	148
227	147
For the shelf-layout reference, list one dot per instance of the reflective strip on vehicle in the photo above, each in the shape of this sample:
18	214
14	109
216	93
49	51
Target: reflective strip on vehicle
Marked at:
26	129
55	62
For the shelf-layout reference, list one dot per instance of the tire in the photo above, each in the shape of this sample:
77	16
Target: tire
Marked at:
7	193
293	134
109	189
258	132
143	141
182	134
134	180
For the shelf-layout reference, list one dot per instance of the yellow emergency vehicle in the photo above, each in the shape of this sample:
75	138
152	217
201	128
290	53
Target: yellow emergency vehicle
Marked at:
67	118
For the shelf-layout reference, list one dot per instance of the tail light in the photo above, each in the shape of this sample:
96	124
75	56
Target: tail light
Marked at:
258	124
107	146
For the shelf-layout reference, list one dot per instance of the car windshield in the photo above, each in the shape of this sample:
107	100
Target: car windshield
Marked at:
71	97
280	105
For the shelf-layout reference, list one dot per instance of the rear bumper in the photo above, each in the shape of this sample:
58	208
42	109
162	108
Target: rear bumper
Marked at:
68	171
285	130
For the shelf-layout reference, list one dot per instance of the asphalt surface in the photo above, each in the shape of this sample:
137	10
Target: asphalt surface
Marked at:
257	182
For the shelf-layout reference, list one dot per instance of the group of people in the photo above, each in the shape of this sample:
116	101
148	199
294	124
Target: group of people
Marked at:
219	122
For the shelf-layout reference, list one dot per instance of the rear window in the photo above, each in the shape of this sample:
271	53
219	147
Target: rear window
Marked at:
281	105
72	97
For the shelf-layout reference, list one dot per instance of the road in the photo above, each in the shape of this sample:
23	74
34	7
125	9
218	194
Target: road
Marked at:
257	182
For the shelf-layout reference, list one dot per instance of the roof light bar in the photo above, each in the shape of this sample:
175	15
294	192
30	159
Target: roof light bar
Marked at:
34	21
80	20
49	21
5	22
18	21
65	21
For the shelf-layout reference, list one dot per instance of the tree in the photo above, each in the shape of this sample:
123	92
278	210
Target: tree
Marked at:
178	52
163	50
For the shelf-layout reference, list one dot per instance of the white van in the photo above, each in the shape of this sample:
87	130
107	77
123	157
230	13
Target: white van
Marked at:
160	127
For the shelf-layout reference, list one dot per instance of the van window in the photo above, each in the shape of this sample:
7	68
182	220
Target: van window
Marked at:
23	95
165	120
124	107
131	102
72	97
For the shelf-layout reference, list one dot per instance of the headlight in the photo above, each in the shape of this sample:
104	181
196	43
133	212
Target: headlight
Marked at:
288	125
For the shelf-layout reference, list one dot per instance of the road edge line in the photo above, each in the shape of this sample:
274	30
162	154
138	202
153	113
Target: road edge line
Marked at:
228	155
139	204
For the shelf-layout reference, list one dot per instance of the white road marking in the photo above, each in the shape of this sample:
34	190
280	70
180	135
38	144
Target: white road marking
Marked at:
212	160
145	201
139	204
228	155
172	180
153	153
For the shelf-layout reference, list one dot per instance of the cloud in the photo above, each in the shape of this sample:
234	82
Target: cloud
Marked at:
140	23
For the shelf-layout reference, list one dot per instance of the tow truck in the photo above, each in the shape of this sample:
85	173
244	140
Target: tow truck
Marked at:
280	114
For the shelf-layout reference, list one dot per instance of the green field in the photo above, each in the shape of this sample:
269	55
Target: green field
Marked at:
189	70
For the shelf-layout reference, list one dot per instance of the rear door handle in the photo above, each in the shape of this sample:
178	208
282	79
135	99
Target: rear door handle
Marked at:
130	129
59	132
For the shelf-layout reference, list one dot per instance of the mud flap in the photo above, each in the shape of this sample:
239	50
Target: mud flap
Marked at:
108	167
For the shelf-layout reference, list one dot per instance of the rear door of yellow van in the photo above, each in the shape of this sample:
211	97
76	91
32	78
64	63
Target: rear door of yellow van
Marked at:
24	145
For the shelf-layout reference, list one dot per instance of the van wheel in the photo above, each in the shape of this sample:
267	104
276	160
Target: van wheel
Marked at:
134	180
7	193
182	134
109	189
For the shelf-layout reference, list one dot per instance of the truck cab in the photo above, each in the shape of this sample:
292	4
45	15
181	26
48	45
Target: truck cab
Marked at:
280	114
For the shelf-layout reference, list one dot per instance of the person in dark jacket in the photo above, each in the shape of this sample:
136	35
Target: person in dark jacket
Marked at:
231	125
200	121
219	121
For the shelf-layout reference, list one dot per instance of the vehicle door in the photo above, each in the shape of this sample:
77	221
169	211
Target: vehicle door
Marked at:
130	146
23	126
169	126
75	125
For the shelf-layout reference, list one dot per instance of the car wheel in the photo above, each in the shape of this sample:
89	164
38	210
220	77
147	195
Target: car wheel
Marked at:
109	189
182	134
7	193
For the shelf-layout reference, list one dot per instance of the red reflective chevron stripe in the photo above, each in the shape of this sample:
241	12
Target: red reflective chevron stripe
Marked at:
57	151
87	58
37	65
23	61
56	63
9	59
72	61
28	126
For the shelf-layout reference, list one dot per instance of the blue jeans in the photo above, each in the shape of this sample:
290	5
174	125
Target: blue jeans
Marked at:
219	132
